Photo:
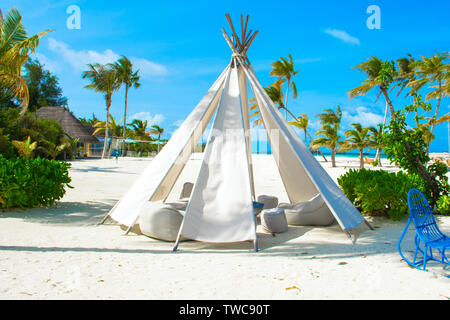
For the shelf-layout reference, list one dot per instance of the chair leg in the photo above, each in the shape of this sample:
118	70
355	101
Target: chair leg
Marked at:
425	258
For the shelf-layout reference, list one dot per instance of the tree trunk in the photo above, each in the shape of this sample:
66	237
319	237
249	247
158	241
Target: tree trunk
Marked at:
333	157
379	157
361	157
306	142
124	137
430	179
105	145
159	141
389	102
435	115
287	95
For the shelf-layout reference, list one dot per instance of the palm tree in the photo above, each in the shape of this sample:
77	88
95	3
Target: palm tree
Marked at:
331	123
331	117
104	79
275	93
140	130
376	141
431	71
53	150
284	69
156	130
113	126
405	73
130	79
25	148
15	47
357	138
379	75
302	123
330	139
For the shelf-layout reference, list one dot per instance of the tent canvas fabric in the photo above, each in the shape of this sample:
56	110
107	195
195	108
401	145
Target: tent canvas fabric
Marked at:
221	206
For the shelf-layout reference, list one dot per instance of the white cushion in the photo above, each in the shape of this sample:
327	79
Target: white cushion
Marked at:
274	220
268	201
313	212
160	221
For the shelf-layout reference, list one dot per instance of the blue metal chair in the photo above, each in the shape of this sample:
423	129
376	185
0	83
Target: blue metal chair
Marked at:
427	232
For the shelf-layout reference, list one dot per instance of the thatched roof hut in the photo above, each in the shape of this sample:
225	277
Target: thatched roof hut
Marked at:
70	124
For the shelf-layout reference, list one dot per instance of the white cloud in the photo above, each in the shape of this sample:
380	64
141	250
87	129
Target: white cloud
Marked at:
152	120
178	123
79	59
363	116
343	36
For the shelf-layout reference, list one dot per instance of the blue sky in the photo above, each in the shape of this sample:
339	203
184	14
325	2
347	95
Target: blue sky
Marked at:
179	48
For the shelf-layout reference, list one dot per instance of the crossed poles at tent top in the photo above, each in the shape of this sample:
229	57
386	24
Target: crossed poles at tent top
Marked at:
240	45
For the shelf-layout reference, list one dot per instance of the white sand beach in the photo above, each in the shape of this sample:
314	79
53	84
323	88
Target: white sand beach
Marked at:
61	252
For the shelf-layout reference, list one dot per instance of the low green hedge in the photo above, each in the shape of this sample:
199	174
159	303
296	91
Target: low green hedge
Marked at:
379	192
28	183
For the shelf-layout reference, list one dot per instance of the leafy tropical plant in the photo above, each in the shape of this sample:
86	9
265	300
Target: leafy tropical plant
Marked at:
443	205
25	148
15	48
378	192
407	147
28	183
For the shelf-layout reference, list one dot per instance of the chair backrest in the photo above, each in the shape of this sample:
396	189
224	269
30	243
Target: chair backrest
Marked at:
423	218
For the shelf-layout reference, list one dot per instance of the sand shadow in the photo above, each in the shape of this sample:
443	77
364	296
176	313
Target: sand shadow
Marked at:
67	213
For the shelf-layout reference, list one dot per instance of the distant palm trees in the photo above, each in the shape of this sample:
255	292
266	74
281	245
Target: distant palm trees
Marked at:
15	48
357	138
103	79
331	122
431	71
302	124
130	79
427	72
158	131
376	141
140	130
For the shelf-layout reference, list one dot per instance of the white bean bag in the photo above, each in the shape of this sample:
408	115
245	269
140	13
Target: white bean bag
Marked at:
268	201
313	212
274	220
160	221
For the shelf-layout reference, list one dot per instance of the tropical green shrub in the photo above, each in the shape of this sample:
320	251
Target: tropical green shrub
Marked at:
28	183
379	192
443	205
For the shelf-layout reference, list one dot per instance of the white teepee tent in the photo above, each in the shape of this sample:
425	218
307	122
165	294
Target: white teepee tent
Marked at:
221	206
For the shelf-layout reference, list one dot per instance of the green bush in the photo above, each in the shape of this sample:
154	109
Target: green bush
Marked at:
443	205
28	183
379	192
